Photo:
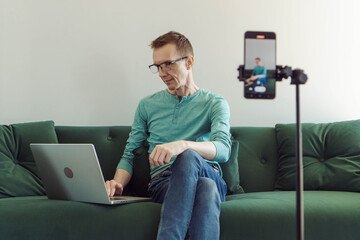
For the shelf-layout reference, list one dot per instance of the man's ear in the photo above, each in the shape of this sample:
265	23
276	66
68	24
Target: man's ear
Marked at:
189	62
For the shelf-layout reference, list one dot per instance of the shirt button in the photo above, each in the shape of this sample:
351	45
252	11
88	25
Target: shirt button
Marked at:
177	107
175	116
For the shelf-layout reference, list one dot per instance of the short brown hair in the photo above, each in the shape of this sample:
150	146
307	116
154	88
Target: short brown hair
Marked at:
182	43
258	58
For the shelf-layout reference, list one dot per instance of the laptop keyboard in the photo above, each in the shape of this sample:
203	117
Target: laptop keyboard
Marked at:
116	198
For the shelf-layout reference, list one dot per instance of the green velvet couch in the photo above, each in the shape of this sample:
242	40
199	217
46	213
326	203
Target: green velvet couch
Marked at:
264	166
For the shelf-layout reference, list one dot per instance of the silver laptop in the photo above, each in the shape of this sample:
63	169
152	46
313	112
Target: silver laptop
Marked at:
72	172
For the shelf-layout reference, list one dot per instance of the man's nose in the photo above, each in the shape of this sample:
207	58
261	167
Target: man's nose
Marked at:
162	72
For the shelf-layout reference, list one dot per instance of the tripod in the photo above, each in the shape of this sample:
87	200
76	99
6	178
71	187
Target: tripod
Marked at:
298	77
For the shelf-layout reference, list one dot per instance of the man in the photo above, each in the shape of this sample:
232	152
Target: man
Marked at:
187	129
258	74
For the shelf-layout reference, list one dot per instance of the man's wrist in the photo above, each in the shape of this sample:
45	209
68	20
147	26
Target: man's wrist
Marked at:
122	177
185	145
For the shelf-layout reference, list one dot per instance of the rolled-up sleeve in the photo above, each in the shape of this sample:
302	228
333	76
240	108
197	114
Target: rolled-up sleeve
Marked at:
137	138
220	129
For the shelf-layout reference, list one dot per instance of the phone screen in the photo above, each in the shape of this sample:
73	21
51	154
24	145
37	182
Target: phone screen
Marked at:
260	65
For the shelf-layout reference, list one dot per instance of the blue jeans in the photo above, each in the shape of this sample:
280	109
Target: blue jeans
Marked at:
260	81
190	193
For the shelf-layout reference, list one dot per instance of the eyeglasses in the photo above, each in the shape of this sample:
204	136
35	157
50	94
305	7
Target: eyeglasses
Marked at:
166	66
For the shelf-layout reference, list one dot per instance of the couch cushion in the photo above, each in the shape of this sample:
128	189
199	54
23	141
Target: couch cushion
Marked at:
230	170
331	156
18	173
40	218
272	215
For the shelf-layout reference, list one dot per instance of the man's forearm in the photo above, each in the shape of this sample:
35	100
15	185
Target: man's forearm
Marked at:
163	153
122	176
206	149
259	76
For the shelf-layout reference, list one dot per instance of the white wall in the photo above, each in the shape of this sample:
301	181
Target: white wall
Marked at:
84	62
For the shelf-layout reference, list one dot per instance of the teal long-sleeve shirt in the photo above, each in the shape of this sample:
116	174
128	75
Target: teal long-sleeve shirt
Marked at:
161	118
259	70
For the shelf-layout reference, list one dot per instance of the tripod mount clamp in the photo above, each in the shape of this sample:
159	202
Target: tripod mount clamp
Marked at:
297	76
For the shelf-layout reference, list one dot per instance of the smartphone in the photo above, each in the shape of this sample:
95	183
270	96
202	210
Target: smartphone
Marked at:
260	65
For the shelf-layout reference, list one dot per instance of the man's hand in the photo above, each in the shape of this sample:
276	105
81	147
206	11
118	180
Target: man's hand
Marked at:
250	79
162	153
113	188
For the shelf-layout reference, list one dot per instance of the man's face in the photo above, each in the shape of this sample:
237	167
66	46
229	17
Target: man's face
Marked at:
258	62
177	76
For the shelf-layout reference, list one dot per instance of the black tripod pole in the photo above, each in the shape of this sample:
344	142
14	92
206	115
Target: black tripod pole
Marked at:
300	178
298	77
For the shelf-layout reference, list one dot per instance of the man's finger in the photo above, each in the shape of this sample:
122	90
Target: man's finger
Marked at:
113	188
167	159
151	157
119	189
152	154
157	157
107	187
161	158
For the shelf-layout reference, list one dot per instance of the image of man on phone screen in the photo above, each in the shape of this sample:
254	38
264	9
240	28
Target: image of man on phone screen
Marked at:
258	75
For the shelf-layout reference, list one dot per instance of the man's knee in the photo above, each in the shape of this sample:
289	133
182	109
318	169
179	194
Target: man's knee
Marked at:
188	154
188	157
207	190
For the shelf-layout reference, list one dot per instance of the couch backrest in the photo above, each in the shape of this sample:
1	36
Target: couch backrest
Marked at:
18	171
257	151
257	157
109	143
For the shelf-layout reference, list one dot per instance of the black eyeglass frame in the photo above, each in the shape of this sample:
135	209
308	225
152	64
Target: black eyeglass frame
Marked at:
167	64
